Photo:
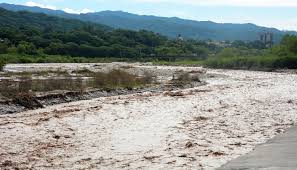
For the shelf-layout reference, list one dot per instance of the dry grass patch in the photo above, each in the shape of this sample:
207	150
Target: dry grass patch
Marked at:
28	100
184	78
173	93
2	64
120	79
84	71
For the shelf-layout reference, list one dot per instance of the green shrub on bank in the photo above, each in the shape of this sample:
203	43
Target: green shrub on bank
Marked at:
2	64
18	58
120	79
254	63
262	62
181	62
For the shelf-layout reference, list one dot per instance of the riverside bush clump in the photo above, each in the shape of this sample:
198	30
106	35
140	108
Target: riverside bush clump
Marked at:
183	79
254	63
120	79
2	64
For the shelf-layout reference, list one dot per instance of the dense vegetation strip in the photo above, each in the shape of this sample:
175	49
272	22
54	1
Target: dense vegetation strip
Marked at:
283	55
38	34
37	38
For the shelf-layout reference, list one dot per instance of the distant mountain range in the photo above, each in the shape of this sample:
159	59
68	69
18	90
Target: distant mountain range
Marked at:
170	27
39	21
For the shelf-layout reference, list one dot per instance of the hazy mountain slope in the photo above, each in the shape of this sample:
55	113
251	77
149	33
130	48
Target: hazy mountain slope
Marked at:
167	26
13	7
41	21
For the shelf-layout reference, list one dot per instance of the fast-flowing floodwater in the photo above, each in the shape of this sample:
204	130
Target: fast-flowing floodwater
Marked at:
197	128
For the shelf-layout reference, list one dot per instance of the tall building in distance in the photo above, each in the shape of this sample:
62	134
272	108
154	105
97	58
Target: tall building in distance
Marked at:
266	38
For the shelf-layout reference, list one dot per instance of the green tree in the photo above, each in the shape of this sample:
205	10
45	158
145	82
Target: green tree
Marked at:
55	48
290	42
3	48
2	64
227	53
26	48
168	51
201	52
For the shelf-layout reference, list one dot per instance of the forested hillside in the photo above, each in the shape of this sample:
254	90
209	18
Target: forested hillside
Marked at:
35	33
41	21
34	37
171	27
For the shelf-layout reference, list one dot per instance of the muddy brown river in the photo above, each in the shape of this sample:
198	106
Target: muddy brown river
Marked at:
196	128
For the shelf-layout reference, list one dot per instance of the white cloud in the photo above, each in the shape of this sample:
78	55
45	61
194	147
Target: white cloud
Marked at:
254	3
30	3
85	10
68	10
71	11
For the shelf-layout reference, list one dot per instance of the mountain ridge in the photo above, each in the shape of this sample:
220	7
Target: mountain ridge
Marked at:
168	26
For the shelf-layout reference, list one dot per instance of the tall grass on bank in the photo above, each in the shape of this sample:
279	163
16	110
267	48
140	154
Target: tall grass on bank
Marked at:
181	62
24	91
18	58
120	79
2	64
253	63
259	62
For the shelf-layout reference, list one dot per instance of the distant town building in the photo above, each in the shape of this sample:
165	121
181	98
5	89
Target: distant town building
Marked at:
219	43
266	38
179	37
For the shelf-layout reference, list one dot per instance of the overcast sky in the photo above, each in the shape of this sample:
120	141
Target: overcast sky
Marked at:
281	14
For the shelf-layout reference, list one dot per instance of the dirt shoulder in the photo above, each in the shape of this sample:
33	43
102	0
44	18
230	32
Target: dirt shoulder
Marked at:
197	128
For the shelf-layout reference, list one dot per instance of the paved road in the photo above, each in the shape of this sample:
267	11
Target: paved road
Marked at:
278	153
